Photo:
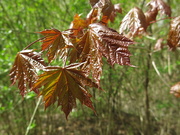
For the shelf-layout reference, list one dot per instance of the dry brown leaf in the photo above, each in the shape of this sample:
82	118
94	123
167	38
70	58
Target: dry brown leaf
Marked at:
174	34
175	89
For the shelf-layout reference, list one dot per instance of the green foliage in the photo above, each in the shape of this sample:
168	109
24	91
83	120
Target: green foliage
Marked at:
124	98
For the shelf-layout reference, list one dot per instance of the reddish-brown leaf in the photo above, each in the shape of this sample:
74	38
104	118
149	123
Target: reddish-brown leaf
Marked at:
93	16
55	42
64	86
174	34
112	45
175	89
99	41
24	69
151	16
86	51
77	25
107	9
134	22
161	6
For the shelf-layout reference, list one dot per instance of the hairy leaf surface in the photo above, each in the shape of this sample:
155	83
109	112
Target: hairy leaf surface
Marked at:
134	22
175	89
24	69
55	42
174	34
64	86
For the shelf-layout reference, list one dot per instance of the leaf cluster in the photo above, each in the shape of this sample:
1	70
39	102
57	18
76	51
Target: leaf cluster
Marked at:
83	47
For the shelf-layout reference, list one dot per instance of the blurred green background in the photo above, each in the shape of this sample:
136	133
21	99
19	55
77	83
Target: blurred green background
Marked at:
136	101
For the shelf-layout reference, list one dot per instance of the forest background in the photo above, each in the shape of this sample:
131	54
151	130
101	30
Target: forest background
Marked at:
122	108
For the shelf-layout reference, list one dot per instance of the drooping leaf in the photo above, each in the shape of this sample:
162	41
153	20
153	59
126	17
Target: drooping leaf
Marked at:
134	22
161	6
112	45
99	41
174	34
151	16
117	8
24	69
56	42
87	51
64	86
175	89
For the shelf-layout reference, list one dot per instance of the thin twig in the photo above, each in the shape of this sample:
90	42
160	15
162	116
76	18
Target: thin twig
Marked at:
158	73
162	19
33	43
32	117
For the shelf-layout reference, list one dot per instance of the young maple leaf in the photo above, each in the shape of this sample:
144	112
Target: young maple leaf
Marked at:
108	9
161	6
55	42
174	34
112	45
86	51
175	89
77	25
151	16
93	16
64	86
134	22
99	41
24	69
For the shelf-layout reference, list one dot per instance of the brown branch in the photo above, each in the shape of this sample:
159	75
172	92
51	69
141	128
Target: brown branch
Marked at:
33	43
162	19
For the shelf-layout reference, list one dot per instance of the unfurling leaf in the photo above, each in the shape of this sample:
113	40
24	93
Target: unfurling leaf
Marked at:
24	69
64	86
151	16
175	89
107	9
159	44
117	8
134	22
77	25
161	6
174	34
55	42
92	16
